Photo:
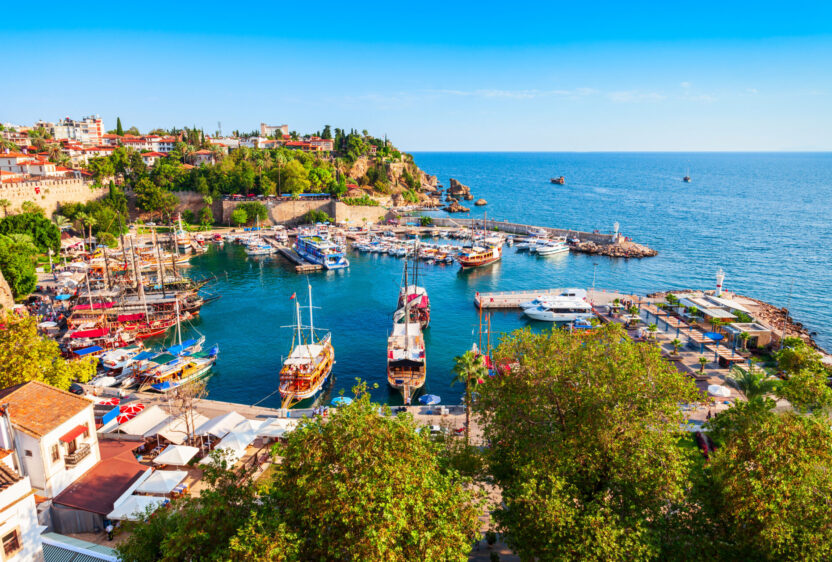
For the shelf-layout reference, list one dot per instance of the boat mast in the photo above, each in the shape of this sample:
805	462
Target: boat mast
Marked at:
138	272
297	314
311	322
160	265
178	323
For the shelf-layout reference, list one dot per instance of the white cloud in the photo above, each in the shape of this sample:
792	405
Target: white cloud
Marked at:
518	94
752	91
685	85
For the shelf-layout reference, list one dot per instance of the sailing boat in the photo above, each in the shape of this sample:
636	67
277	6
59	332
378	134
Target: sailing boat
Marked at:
415	295
183	239
406	361
686	179
309	364
258	246
173	370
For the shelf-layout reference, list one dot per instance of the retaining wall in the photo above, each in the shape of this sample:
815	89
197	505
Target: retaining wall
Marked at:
50	193
292	212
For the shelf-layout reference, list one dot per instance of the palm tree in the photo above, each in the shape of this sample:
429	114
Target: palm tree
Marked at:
61	221
702	362
744	337
753	383
468	366
676	345
5	203
716	324
652	328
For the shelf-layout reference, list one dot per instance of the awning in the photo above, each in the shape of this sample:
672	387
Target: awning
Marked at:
177	455
130	317
95	333
177	349
136	508
73	433
88	350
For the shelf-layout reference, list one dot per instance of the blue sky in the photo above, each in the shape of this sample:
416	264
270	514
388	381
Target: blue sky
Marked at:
439	75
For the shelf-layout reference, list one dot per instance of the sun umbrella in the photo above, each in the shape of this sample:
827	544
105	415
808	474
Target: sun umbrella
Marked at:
341	401
133	408
123	418
429	399
110	402
719	390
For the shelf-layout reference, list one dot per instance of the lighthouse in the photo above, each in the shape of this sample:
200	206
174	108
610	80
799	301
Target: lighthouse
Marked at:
720	277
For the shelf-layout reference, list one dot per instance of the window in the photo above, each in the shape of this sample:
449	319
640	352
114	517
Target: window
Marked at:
11	543
86	430
56	453
28	453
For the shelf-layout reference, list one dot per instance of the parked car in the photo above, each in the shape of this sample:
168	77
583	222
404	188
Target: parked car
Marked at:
76	388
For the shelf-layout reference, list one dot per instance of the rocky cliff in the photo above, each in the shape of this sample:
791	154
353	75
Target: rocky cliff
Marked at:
397	188
6	298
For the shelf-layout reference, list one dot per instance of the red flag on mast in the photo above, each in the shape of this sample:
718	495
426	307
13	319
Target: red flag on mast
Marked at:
293	296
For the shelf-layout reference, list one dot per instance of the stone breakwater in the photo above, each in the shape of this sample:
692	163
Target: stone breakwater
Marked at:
620	249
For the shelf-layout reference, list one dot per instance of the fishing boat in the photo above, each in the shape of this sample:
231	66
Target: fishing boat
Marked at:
491	251
307	368
686	179
322	251
559	180
406	362
116	360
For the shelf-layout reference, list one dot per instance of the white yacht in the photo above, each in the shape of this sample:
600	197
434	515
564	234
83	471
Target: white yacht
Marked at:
547	297
560	309
551	248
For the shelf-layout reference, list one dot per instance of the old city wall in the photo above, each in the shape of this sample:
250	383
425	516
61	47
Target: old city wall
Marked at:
292	212
50	193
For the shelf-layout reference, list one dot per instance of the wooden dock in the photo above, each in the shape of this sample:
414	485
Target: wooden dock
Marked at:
513	299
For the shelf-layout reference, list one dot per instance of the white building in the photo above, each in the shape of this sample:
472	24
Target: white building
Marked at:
272	130
19	528
89	130
53	432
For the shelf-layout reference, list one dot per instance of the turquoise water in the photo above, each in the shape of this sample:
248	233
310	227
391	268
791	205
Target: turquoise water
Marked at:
763	218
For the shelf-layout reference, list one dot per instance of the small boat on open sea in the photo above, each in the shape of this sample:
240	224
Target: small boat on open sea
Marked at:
309	364
559	180
686	179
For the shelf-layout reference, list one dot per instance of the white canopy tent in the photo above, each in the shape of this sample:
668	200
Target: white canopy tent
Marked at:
248	425
162	482
144	421
277	427
175	430
176	455
220	426
134	507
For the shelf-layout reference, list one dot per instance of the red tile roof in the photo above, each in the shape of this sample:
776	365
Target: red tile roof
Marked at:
37	408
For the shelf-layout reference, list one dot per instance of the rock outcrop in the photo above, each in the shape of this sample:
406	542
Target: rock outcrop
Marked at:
455	207
623	249
480	202
6	298
459	191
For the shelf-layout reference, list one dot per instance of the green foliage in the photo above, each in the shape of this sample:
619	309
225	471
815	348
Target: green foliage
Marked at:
43	232
796	355
238	217
119	129
295	178
255	210
315	216
410	196
807	390
771	483
425	221
153	199
754	383
206	217
469	369
188	216
16	262
364	200
583	438
25	356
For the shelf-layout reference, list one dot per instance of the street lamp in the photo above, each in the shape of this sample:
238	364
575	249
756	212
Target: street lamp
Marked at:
594	269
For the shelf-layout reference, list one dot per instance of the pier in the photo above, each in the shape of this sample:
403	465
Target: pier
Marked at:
513	299
301	265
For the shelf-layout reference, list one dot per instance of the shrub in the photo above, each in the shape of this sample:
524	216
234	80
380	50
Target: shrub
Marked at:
364	200
315	216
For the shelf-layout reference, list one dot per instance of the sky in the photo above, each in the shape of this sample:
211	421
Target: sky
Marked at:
438	76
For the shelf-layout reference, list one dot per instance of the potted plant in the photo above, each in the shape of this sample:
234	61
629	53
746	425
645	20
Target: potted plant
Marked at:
702	362
676	343
744	337
652	328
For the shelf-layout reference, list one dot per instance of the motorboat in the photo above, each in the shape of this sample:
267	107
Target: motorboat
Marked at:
545	298
560	309
551	248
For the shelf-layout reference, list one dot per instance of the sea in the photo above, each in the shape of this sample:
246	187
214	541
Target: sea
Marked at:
764	218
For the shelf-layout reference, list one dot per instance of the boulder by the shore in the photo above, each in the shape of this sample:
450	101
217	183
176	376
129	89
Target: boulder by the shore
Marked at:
459	191
624	249
480	202
455	207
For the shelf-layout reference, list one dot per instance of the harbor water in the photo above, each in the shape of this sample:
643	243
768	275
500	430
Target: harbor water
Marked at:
763	218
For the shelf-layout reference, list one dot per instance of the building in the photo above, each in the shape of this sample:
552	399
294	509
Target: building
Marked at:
203	156
19	528
150	158
273	130
53	432
89	130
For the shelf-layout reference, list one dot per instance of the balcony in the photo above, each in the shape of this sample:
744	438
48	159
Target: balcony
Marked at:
80	454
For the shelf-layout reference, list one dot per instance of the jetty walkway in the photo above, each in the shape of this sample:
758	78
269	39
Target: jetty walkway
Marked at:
301	265
513	299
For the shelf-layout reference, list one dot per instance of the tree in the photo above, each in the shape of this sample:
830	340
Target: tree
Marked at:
796	355
16	264
807	390
238	217
153	199
754	383
652	328
254	210
182	403
676	343
119	130
361	486
5	203
44	233
467	367
206	217
744	338
583	435
133	131
315	216
702	362
61	222
294	178
100	168
327	132
771	483
25	356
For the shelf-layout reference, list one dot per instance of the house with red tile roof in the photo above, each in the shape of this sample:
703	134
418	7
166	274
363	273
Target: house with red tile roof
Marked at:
53	432
150	158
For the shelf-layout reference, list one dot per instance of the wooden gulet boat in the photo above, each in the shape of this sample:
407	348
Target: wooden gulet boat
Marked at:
406	360
415	295
479	256
307	368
